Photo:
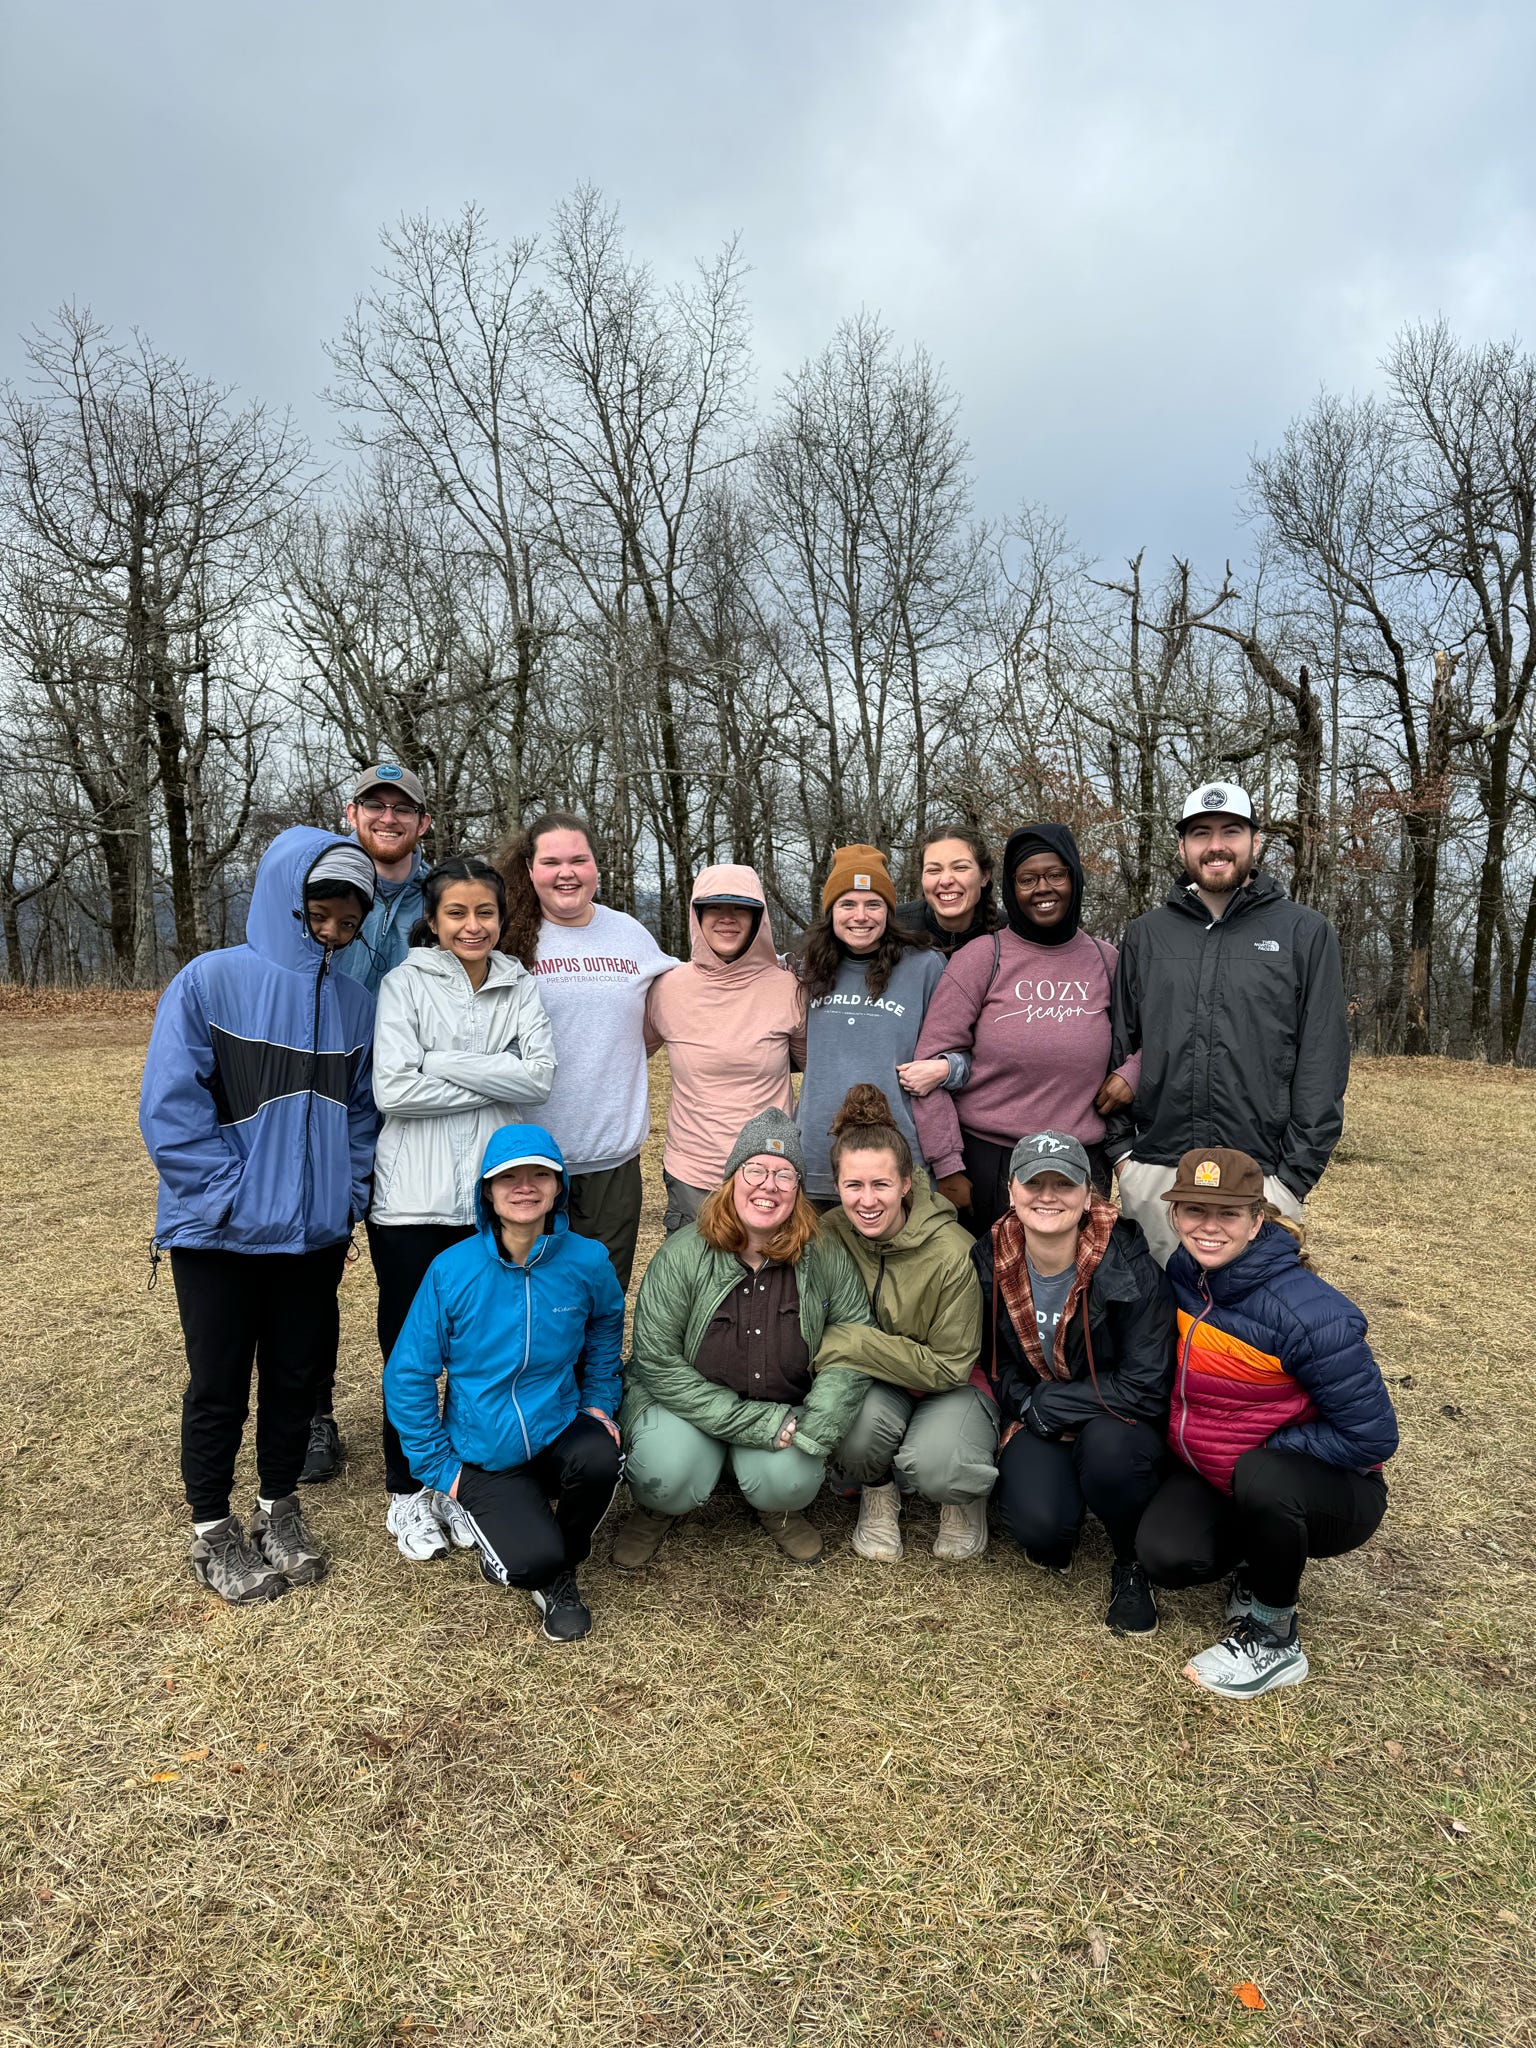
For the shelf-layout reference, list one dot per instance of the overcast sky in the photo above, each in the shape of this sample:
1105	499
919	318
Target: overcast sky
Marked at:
1137	237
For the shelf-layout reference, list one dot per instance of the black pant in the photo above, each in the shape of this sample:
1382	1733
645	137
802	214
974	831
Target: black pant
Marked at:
606	1206
1284	1507
525	1543
276	1310
986	1167
401	1254
1044	1490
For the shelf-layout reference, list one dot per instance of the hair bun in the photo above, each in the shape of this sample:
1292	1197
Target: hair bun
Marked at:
863	1107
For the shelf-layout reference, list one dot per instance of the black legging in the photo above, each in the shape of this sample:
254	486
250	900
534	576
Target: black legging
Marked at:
1044	1489
1284	1507
524	1540
401	1254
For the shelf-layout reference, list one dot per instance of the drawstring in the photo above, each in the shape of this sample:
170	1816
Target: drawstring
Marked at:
154	1266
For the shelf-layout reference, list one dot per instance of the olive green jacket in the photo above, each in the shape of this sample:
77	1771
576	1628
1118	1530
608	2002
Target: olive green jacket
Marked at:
924	1293
683	1286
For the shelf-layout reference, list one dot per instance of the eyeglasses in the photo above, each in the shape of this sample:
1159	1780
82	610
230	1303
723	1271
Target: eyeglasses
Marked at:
757	1176
1053	878
371	807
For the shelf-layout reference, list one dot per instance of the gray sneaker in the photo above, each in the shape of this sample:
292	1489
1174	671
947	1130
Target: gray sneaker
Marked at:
1252	1660
286	1543
232	1566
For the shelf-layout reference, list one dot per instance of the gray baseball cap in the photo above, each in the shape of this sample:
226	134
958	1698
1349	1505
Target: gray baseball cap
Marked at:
1049	1152
386	775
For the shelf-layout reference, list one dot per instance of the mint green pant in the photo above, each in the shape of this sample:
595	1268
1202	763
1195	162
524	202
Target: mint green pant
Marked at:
673	1468
943	1446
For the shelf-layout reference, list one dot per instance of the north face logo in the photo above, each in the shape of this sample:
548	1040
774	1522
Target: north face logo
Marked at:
1214	798
1266	945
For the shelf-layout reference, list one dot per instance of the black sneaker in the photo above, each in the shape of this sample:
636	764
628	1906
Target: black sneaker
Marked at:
1132	1609
567	1617
323	1458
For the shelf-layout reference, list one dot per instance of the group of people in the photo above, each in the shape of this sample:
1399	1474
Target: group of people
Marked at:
1025	1241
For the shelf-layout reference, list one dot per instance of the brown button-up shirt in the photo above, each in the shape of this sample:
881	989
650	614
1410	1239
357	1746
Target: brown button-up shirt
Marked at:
753	1343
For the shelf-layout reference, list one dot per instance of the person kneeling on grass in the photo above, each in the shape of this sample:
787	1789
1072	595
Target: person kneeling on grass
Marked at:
724	1363
1280	1416
1077	1346
922	1428
527	1322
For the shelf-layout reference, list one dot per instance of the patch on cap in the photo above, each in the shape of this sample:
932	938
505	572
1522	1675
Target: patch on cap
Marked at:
1046	1143
1208	1174
1214	798
386	771
863	881
774	1145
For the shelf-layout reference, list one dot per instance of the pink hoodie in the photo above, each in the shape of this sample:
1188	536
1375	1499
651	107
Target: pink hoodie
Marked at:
731	1029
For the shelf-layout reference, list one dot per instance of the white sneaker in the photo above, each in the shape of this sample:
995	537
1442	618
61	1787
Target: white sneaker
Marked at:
456	1525
877	1533
1252	1659
962	1531
413	1523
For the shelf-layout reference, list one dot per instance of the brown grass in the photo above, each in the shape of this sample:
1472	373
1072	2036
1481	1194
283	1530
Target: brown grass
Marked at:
877	1805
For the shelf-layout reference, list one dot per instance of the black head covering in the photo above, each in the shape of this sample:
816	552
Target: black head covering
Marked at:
1032	839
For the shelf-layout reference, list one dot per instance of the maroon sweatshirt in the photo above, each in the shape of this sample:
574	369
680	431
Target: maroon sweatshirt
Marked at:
1038	1039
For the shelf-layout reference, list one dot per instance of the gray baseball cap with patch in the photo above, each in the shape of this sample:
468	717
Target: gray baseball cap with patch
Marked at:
1049	1152
383	775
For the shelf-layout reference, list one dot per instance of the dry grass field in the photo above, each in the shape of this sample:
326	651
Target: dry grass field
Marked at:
894	1806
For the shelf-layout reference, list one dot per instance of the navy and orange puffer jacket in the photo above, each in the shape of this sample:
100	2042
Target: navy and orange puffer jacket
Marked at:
1270	1355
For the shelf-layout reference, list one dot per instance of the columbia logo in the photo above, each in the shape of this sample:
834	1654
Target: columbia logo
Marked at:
1266	945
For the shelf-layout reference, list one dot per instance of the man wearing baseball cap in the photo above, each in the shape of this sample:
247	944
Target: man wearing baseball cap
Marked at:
387	815
1234	997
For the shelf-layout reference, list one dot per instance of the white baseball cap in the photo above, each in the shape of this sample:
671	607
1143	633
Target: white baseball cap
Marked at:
524	1159
1212	798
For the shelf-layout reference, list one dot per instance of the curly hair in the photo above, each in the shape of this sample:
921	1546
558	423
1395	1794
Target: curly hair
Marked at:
434	885
514	860
981	853
822	953
723	1230
864	1123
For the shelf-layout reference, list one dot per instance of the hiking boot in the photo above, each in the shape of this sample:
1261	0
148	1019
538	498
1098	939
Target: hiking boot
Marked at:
639	1540
1239	1599
232	1566
1251	1660
413	1522
286	1543
456	1525
793	1534
1132	1609
567	1618
877	1533
962	1531
322	1460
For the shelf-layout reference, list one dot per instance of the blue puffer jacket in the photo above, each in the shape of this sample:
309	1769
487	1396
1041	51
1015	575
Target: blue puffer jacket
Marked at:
257	1104
525	1348
1269	1354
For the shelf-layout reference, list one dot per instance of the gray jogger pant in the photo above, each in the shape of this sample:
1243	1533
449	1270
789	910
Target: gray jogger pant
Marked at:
943	1446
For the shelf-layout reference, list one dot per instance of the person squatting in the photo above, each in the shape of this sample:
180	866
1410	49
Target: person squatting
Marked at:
1026	1242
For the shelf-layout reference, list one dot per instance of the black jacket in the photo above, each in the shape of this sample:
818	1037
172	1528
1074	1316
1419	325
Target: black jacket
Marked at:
1242	1030
1131	1319
918	917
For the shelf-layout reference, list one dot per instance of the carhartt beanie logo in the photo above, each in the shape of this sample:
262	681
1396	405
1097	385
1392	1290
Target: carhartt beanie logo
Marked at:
772	1132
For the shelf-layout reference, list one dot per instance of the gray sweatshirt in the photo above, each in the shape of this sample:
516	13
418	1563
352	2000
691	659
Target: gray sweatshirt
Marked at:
848	1038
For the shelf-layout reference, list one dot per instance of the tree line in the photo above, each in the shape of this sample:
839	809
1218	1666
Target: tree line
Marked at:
570	562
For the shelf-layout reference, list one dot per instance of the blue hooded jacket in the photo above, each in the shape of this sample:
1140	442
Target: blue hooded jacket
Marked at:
525	1348
257	1105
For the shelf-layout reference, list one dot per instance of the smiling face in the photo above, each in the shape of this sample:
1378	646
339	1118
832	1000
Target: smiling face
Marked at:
1042	887
1214	1236
467	921
873	1192
524	1195
859	918
764	1189
1049	1206
389	827
1219	852
727	927
952	882
565	877
334	920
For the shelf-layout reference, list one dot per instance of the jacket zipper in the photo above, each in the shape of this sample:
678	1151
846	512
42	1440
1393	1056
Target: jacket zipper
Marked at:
1189	1338
309	1093
522	1424
874	1299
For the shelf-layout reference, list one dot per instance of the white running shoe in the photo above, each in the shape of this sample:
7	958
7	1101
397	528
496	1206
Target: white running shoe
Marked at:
456	1525
962	1531
877	1533
1251	1660
412	1521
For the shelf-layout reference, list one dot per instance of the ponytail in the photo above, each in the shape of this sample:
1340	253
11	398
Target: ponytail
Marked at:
1291	1228
865	1123
514	861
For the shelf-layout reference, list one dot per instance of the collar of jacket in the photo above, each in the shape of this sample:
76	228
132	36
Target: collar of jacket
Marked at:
1259	888
1273	1252
444	966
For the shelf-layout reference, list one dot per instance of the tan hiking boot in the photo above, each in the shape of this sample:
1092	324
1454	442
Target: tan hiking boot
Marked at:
793	1534
639	1540
962	1531
877	1533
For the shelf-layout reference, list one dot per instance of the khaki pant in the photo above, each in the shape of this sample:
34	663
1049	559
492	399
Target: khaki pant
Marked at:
1141	1198
939	1445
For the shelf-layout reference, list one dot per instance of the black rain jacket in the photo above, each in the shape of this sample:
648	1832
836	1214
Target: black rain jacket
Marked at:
1242	1030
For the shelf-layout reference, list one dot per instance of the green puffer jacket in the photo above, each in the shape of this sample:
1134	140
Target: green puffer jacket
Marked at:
925	1296
683	1286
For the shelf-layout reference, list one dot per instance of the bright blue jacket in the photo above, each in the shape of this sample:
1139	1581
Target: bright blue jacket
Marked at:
385	937
257	1104
525	1348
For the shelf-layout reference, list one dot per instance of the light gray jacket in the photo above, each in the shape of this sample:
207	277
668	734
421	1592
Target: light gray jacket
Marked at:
451	1064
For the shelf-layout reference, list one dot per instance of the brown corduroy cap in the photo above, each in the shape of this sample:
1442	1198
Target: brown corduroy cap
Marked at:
1218	1175
858	867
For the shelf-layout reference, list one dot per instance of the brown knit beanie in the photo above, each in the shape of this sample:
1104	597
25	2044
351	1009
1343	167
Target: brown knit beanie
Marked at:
858	867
